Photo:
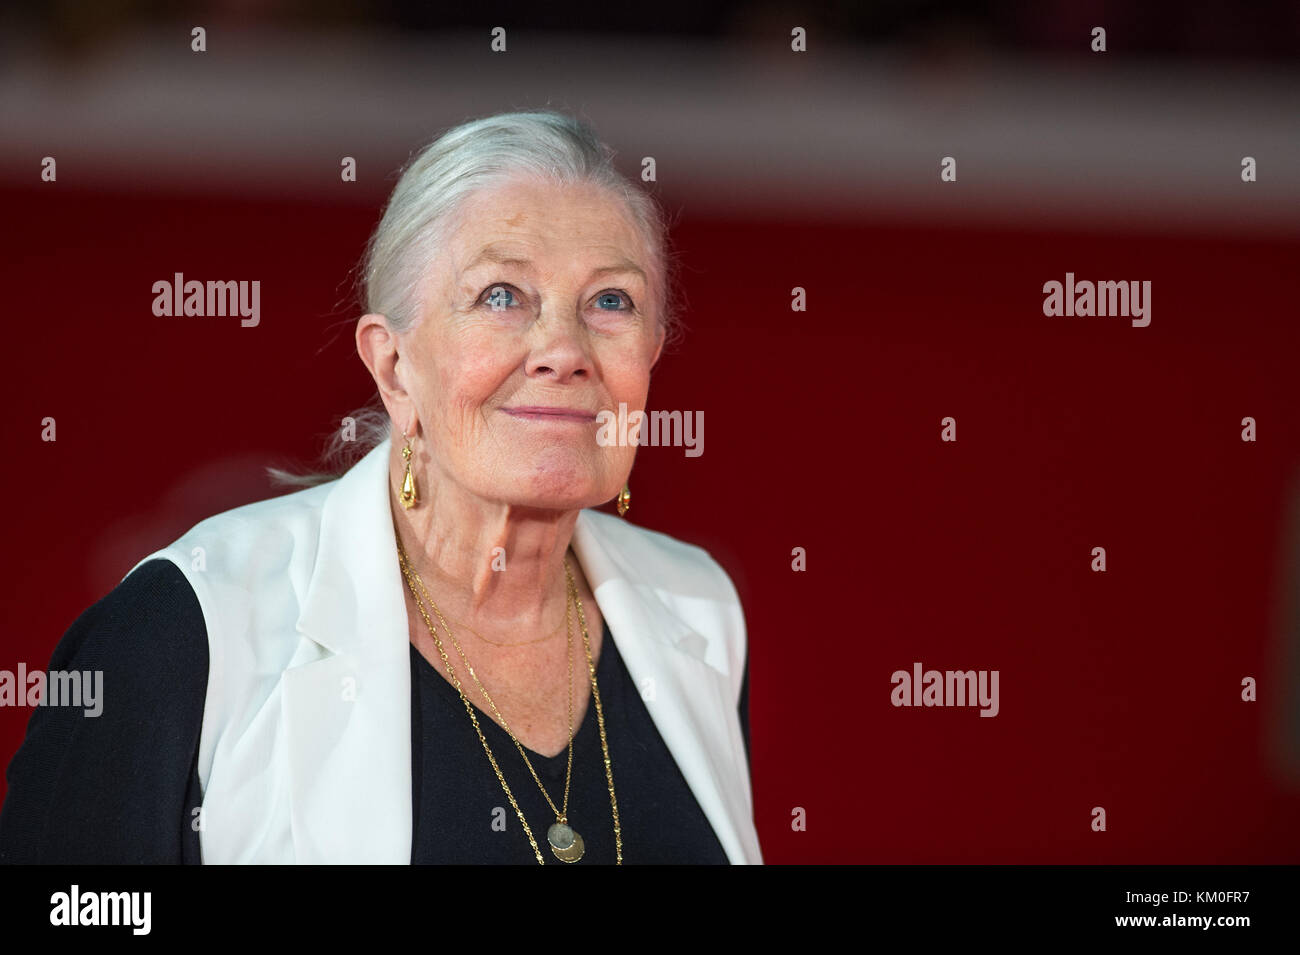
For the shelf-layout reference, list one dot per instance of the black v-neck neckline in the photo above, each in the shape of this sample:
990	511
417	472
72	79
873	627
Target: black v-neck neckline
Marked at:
554	766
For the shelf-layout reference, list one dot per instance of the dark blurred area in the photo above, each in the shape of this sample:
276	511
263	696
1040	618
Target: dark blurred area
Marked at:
1156	29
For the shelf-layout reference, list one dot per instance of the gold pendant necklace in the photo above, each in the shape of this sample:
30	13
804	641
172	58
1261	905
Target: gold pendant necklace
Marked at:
566	844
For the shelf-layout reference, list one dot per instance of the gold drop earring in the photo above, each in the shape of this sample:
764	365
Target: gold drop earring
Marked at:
408	495
624	500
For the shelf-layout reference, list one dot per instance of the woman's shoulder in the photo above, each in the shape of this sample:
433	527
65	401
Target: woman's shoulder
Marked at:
146	638
264	533
247	568
664	562
151	620
684	579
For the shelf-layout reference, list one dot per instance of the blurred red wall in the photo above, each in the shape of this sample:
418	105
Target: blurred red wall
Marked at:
1119	689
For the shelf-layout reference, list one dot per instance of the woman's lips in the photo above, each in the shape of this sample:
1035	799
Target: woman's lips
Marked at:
551	414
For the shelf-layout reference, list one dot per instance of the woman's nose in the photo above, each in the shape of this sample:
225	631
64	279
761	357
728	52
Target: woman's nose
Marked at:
559	345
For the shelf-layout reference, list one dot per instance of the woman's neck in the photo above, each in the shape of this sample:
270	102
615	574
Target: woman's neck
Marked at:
485	563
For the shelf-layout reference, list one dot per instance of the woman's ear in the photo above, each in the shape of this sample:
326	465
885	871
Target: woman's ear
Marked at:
380	351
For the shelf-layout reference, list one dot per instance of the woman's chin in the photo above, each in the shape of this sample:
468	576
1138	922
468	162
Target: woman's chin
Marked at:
554	502
557	492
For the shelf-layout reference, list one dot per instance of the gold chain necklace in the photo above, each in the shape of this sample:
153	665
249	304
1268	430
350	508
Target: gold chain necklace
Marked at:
522	643
565	843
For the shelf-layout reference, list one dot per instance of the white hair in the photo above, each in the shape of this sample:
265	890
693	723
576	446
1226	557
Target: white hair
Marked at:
422	213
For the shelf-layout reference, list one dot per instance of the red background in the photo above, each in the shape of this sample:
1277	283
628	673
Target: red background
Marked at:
1118	689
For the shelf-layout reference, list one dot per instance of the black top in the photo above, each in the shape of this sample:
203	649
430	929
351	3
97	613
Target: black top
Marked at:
123	787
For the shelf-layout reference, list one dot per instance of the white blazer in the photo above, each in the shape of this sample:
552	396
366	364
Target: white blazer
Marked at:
305	750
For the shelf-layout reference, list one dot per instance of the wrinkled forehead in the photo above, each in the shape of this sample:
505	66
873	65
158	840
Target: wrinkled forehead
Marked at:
532	220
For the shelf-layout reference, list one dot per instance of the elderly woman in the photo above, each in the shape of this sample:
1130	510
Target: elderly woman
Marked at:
444	655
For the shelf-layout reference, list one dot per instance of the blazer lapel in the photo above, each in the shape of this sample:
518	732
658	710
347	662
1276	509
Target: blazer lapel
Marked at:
347	702
688	699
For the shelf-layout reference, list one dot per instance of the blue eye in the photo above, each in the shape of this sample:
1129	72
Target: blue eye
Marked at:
500	298
611	301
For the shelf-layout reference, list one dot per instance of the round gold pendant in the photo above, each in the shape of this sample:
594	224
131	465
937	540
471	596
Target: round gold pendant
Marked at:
565	843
